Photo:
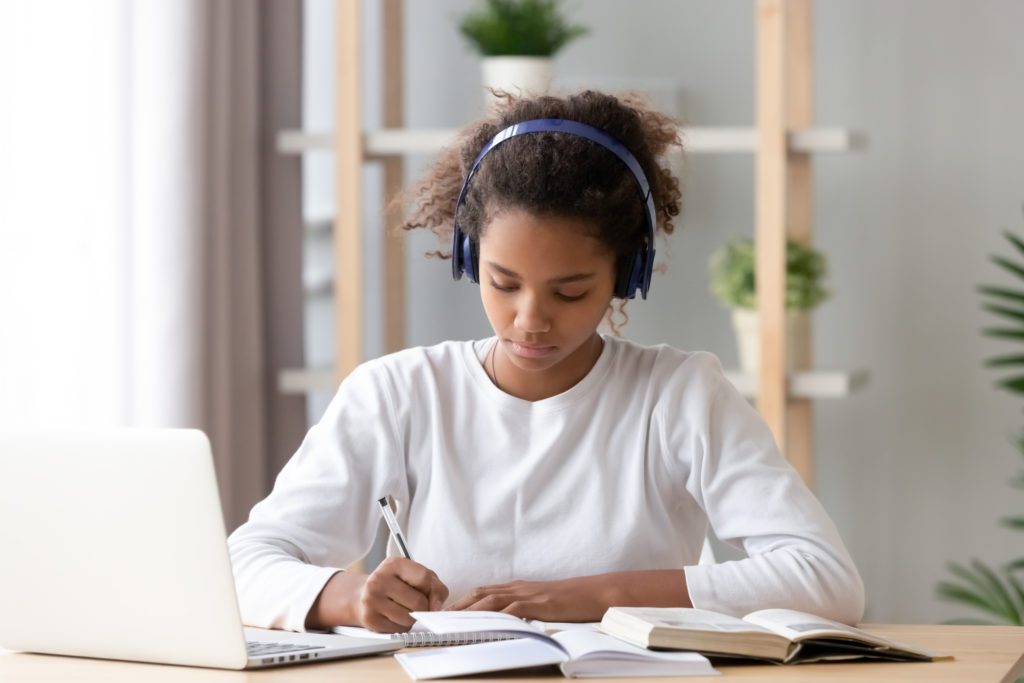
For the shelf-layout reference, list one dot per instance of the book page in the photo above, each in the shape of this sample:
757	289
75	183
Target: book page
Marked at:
553	627
798	626
582	644
690	618
594	654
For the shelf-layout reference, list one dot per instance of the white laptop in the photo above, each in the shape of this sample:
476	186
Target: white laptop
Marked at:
114	546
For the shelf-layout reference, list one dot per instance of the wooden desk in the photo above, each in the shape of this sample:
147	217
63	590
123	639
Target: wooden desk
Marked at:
983	654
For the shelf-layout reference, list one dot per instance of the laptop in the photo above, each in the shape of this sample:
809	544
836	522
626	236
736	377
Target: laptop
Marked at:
114	547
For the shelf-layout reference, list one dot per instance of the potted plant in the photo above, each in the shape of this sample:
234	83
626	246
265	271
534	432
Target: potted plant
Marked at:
998	591
733	282
517	39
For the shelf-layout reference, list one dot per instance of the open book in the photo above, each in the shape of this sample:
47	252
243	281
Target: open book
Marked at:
777	635
579	652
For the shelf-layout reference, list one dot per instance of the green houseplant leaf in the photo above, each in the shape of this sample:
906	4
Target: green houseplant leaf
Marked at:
733	276
525	28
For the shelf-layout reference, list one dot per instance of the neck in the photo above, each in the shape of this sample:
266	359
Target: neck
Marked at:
536	386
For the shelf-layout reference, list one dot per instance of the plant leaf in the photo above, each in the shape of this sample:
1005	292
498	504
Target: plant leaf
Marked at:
969	622
1003	333
980	583
1018	592
1014	384
1014	523
1015	565
977	583
998	590
1012	313
1014	240
1001	293
1008	265
1001	361
952	592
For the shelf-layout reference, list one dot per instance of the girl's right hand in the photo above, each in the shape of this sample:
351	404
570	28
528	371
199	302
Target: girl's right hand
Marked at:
380	601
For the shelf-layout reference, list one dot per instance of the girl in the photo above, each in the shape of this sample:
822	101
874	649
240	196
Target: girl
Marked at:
550	471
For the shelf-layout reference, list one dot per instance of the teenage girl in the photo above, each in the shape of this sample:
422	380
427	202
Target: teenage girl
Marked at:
549	471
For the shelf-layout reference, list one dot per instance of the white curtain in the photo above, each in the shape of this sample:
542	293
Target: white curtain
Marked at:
135	280
63	215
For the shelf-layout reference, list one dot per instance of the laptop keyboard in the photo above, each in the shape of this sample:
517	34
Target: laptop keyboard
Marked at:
266	649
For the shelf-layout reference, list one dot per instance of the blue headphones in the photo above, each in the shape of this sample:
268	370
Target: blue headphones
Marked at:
636	272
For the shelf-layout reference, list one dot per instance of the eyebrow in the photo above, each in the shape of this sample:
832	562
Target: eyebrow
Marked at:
554	281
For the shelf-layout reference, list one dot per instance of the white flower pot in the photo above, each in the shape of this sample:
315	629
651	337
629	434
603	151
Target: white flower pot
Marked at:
747	325
519	76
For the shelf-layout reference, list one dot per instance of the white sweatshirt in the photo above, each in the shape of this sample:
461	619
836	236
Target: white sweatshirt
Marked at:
624	471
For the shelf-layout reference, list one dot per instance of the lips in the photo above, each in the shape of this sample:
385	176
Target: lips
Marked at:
531	350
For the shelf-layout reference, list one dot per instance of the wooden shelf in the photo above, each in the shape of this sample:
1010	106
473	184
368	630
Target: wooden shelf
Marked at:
384	143
820	384
807	385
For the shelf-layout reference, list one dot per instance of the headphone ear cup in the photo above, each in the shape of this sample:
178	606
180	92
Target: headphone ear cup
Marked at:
457	267
625	287
470	258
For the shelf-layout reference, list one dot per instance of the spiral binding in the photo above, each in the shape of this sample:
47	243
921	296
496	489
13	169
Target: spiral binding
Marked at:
426	639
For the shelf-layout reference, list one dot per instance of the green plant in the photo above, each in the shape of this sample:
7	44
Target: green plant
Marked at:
733	275
532	28
998	592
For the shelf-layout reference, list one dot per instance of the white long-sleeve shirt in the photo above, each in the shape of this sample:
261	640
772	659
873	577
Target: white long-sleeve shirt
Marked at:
624	471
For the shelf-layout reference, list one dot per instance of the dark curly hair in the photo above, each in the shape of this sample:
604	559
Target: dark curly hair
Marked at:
554	174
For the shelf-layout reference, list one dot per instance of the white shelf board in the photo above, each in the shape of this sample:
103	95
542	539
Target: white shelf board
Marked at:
305	380
816	384
696	140
812	384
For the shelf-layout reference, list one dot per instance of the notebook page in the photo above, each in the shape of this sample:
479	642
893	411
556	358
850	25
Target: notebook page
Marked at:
467	621
445	662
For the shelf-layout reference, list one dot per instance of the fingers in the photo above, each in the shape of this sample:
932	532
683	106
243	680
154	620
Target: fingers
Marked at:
398	591
438	593
526	599
399	586
422	579
490	598
519	608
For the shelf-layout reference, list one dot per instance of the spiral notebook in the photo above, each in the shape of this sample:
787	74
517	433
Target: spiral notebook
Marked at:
578	653
420	636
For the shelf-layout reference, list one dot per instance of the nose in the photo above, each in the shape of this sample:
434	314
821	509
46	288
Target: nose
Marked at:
531	316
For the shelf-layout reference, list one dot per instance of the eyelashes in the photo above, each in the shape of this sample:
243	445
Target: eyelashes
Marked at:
563	297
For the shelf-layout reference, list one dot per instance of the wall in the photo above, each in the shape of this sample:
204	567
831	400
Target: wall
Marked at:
914	468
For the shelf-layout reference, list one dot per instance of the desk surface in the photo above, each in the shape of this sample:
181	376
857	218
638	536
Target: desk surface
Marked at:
983	654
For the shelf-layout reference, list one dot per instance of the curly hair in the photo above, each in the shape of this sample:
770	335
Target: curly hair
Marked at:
554	174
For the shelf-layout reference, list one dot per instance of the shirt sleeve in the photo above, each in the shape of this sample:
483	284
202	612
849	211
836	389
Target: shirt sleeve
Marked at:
754	499
322	513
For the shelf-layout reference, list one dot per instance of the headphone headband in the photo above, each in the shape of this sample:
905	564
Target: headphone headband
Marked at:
637	272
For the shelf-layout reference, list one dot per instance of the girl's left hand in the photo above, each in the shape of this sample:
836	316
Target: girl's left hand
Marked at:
577	599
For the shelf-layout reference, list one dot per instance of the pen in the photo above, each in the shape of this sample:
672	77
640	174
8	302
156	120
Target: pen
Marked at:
396	531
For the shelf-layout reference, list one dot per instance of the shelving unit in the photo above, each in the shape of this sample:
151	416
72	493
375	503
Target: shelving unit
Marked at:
782	142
